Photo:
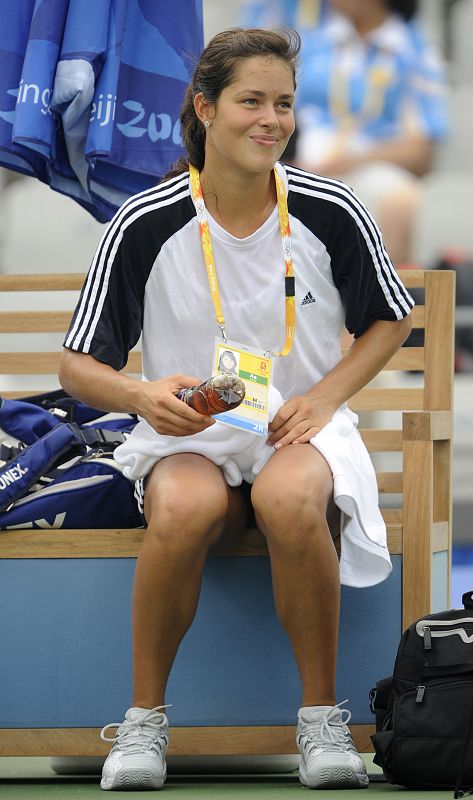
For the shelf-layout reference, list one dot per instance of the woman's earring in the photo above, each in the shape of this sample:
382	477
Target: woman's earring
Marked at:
207	123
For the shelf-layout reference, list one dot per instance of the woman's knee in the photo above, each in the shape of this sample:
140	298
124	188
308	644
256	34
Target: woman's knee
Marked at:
181	509
292	505
291	515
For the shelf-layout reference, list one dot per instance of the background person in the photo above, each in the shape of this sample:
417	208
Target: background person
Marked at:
149	276
371	108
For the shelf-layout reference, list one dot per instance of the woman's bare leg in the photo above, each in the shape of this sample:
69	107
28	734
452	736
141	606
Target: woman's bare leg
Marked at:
187	505
290	497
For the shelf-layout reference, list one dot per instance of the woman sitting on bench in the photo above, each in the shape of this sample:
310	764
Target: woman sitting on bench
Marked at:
283	259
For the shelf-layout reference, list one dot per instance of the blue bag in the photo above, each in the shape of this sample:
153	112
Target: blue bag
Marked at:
55	473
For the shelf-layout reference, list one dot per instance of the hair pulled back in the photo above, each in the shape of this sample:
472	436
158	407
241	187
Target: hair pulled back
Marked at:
216	70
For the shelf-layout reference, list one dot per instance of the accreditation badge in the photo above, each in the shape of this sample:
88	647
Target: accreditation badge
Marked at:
255	370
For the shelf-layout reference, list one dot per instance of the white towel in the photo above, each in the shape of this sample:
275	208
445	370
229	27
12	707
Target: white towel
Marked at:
240	454
365	558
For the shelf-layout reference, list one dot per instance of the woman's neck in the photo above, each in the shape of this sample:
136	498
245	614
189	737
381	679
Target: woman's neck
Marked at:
239	203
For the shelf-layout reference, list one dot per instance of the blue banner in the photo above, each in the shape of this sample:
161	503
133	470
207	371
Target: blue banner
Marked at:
90	92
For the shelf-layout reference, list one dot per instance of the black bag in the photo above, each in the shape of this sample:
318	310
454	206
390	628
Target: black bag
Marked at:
424	711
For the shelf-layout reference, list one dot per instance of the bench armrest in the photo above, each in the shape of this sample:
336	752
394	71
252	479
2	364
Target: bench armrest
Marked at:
427	426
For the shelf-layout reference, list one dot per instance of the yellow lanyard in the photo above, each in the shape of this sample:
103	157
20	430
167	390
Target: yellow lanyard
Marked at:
210	261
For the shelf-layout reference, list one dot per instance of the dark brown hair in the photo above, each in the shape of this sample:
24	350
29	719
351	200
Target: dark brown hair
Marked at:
216	70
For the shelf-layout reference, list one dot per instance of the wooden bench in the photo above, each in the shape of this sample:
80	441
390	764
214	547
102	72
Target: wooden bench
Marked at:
64	625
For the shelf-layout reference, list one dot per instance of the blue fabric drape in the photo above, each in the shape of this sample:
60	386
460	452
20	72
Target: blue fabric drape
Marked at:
90	92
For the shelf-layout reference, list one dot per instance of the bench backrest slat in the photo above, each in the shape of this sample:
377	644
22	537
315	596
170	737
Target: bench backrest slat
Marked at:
434	357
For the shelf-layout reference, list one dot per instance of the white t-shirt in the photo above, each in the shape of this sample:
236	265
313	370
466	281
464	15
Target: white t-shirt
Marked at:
149	277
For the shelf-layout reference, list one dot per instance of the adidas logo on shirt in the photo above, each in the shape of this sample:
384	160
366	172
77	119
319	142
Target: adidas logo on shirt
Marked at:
308	299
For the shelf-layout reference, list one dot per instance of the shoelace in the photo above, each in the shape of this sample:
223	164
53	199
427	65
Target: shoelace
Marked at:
130	733
328	731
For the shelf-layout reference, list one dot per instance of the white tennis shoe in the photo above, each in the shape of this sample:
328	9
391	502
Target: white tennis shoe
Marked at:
137	759
329	759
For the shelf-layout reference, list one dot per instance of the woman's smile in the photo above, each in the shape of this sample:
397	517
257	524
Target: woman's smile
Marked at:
264	140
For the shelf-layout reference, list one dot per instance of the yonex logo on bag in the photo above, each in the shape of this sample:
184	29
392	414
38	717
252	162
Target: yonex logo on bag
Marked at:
11	475
308	299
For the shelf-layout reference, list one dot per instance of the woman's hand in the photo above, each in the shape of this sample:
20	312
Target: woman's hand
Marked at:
101	386
302	417
168	415
299	419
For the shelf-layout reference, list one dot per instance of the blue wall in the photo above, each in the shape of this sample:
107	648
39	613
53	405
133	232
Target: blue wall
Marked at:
66	660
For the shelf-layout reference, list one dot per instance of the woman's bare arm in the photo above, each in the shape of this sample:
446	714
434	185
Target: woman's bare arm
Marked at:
103	387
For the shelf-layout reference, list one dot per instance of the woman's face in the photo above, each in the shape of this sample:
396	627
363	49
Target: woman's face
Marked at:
253	118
